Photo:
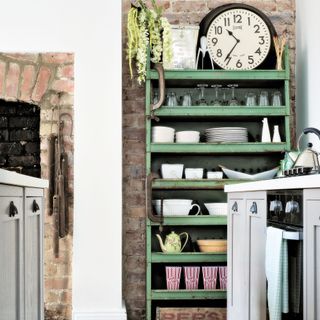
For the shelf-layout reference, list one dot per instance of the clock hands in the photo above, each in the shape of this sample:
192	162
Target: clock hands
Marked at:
231	34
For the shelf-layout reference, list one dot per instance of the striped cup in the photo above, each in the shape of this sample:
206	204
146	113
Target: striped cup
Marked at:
191	276
173	275
223	277
209	277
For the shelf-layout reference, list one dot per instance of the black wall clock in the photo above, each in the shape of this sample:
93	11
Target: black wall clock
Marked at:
239	37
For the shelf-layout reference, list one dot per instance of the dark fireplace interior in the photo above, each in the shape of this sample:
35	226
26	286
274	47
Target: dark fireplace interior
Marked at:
20	138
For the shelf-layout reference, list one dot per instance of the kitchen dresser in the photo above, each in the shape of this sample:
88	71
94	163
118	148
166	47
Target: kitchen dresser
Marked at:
21	250
250	157
247	289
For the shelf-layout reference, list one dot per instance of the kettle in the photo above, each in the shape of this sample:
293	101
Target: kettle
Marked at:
172	243
308	158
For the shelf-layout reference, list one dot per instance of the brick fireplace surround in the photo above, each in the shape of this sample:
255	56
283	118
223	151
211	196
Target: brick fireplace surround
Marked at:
46	81
282	15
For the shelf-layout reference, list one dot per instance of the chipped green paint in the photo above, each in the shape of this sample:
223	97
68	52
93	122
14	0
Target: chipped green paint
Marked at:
188	257
188	294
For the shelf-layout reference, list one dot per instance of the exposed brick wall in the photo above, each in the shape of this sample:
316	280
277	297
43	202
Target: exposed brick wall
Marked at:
282	14
46	80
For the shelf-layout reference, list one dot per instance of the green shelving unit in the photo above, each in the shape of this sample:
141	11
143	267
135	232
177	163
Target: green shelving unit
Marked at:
240	155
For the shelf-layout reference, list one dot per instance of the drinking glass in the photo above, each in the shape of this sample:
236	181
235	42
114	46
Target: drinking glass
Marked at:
276	99
224	96
233	101
264	99
155	97
187	100
216	101
202	101
172	100
251	100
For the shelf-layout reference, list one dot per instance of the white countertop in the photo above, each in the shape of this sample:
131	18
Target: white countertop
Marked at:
17	179
301	182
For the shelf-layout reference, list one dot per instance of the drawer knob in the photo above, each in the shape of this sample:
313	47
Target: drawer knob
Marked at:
234	208
35	206
254	208
12	209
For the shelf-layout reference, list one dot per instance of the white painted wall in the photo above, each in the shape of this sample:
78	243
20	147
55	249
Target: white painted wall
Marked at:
91	29
308	66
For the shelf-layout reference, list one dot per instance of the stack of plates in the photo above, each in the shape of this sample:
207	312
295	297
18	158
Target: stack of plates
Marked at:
227	134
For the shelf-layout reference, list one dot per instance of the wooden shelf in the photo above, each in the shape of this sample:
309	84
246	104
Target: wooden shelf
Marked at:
159	257
192	221
204	184
221	75
188	294
200	111
250	147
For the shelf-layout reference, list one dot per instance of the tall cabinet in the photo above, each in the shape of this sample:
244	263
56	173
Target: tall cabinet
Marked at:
21	249
250	157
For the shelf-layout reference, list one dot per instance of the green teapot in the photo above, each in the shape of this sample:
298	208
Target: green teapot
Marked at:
172	243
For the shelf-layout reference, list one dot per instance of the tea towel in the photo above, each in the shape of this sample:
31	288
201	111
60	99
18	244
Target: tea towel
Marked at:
277	273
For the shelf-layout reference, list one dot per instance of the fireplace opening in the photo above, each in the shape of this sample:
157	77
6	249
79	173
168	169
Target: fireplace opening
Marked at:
20	137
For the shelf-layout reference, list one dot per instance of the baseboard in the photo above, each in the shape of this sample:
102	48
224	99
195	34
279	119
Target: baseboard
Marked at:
108	315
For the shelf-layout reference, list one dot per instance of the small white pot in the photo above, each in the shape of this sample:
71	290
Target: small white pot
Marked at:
214	175
194	173
172	171
187	137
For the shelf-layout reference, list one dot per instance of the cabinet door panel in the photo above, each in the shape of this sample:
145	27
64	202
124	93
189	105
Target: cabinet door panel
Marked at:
256	212
11	260
237	259
33	257
312	254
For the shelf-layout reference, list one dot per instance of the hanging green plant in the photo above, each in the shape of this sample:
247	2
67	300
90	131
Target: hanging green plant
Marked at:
147	28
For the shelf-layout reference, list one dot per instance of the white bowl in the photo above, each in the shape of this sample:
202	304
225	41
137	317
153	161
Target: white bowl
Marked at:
187	136
162	135
214	175
172	171
231	174
175	207
217	208
194	173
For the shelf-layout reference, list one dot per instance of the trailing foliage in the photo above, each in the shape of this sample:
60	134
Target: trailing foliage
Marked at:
147	28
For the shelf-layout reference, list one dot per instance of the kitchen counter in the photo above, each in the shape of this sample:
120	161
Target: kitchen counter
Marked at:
17	179
301	182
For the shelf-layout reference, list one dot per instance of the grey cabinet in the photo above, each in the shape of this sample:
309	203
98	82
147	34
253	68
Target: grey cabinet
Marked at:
311	248
246	256
21	260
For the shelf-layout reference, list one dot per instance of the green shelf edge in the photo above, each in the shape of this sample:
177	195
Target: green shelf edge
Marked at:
194	184
188	294
192	221
159	257
250	147
198	111
220	75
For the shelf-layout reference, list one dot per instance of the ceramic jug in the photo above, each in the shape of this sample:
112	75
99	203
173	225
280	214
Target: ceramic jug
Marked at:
265	131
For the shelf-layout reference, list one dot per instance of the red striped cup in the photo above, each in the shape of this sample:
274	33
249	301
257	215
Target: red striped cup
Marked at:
209	277
173	275
191	276
223	277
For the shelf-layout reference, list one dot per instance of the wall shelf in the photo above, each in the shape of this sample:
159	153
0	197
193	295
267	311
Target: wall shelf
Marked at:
186	257
187	294
192	221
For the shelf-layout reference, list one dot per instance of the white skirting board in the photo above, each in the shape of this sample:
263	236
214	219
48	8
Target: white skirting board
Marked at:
108	315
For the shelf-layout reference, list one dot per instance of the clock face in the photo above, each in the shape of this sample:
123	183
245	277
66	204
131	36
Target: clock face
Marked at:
238	39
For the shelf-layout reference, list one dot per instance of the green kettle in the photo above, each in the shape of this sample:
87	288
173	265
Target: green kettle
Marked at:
172	243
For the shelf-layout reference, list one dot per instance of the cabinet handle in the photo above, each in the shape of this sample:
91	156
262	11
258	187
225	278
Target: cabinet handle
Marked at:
12	209
254	208
35	206
234	208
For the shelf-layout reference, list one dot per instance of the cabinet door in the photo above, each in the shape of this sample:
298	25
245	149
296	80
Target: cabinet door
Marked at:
237	258
33	257
11	254
256	237
311	249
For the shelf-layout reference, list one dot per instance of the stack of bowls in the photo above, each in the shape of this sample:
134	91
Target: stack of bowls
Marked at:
219	208
162	134
188	137
212	245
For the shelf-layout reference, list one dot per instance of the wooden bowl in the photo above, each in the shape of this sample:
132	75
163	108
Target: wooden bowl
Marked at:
215	246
